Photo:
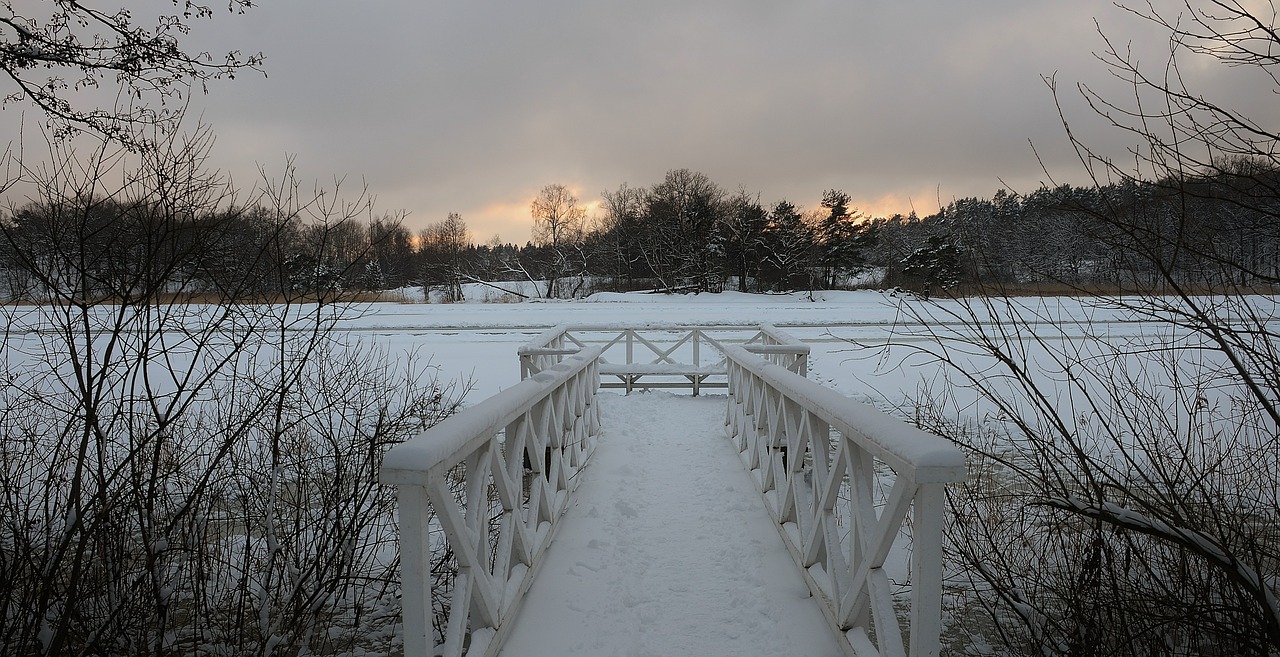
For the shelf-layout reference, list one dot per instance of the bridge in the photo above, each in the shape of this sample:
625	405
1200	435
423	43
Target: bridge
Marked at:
557	519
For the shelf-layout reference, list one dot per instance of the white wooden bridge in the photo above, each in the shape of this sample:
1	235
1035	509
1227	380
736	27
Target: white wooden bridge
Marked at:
494	490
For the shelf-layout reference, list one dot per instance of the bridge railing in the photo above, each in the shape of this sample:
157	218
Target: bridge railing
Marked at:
489	484
822	463
662	356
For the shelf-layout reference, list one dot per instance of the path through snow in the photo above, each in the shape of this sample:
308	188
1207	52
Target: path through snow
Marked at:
668	550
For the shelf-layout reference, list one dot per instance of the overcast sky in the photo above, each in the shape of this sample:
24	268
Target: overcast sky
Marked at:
472	107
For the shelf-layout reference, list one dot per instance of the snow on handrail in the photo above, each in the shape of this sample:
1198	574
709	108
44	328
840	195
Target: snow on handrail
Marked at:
925	457
446	444
813	453
494	480
778	336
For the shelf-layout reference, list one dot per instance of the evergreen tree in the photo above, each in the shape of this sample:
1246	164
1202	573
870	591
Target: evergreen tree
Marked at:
843	240
744	228
787	246
936	265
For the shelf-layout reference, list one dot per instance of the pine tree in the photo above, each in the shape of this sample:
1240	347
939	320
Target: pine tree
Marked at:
787	246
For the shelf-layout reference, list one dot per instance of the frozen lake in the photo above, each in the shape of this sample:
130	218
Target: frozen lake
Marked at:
478	341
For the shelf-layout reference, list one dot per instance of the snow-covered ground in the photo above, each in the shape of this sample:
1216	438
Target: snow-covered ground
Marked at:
667	550
478	341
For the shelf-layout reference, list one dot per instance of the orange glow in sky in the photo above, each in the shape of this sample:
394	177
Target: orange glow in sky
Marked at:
510	220
887	205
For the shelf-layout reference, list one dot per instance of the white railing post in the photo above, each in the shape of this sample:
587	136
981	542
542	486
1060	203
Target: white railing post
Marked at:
926	570
415	569
697	361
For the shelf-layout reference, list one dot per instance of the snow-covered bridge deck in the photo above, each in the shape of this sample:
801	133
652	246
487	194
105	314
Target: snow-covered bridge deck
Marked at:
666	549
641	529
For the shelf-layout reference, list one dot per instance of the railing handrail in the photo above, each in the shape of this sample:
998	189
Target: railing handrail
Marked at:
544	338
927	458
774	412
446	444
557	342
520	451
782	425
780	336
547	337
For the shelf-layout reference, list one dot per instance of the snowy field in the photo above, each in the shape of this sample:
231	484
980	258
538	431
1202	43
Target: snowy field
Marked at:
477	342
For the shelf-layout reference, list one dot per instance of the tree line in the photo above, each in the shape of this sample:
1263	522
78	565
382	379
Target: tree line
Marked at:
687	234
684	234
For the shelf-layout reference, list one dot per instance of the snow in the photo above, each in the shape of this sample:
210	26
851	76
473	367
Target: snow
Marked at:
401	465
477	342
699	568
637	594
667	549
480	339
928	458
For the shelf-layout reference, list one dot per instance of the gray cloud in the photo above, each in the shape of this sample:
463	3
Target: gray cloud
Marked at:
471	107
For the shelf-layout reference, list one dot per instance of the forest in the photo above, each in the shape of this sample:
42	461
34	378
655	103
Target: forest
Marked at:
685	234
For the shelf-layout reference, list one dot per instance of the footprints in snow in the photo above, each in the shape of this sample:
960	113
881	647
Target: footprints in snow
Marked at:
626	509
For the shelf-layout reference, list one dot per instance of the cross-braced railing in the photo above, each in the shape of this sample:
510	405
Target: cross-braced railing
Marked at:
817	459
489	484
661	356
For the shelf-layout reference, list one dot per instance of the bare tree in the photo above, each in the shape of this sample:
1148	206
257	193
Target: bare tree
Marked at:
745	224
1127	497
558	224
441	248
59	54
683	243
619	234
183	478
393	251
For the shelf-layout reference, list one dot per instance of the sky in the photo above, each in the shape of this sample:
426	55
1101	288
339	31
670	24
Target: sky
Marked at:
472	107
